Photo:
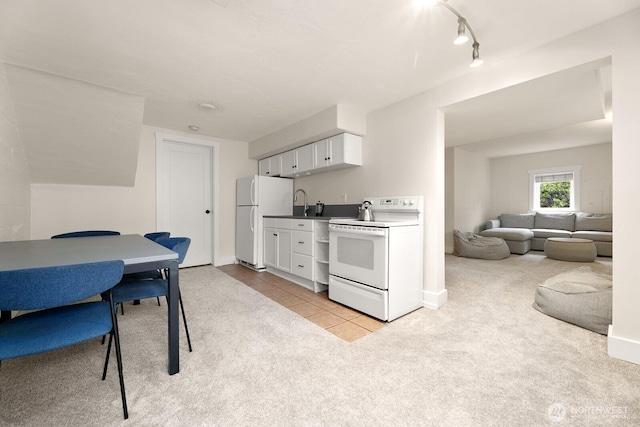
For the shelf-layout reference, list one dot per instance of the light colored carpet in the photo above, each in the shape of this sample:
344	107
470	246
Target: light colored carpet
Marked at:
486	358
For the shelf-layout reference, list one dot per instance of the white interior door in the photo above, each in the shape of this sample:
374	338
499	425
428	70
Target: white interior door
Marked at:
185	206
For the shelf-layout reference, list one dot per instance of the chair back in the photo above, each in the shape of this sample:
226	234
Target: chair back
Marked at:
47	287
87	233
157	235
180	245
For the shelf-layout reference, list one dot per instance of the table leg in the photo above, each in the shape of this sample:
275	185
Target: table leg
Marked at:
4	316
174	317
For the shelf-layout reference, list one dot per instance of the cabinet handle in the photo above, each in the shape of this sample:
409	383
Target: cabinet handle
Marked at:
301	266
275	234
301	243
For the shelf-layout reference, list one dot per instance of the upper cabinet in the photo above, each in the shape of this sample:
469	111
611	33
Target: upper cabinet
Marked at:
336	152
271	166
297	162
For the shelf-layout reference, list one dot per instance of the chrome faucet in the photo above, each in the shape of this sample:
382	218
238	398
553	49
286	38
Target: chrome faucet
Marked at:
295	199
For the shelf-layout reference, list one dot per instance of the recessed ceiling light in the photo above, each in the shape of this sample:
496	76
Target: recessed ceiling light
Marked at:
194	128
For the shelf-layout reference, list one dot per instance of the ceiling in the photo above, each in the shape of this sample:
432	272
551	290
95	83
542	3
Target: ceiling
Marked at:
85	76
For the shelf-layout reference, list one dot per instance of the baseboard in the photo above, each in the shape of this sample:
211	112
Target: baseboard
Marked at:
623	348
434	300
225	261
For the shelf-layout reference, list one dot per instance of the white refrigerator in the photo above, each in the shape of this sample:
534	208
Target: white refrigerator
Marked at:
257	196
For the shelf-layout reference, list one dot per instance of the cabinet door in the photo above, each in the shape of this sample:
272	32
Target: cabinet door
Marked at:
283	261
276	165
264	167
270	245
305	159
289	163
335	150
321	153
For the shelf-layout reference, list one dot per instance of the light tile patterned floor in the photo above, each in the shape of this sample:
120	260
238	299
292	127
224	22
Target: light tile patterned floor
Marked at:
341	321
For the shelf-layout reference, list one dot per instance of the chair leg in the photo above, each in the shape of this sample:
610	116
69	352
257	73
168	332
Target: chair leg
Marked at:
158	298
116	337
184	319
106	360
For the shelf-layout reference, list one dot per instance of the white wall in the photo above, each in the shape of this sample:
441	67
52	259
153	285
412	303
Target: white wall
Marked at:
404	153
61	208
472	192
510	178
15	192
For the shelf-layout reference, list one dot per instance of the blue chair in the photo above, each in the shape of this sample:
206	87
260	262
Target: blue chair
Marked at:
59	322
137	289
157	235
87	233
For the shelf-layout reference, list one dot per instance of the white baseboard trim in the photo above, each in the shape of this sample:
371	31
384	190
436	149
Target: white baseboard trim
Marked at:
623	348
225	261
434	300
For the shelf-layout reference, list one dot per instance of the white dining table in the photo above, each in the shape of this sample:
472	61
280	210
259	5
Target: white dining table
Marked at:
137	252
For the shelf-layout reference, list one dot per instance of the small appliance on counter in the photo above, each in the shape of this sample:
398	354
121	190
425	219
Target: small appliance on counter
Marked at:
364	212
319	208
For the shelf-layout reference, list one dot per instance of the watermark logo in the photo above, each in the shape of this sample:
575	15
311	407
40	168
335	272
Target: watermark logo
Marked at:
556	412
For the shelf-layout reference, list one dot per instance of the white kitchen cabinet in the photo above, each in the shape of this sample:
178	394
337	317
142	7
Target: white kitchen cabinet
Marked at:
277	244
337	152
290	251
298	162
271	166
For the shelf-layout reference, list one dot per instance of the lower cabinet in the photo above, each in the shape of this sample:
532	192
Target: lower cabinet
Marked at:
277	244
289	251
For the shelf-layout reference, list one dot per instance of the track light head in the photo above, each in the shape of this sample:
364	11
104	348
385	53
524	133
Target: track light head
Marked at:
462	35
475	56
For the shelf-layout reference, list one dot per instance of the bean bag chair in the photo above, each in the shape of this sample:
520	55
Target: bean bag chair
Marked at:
471	245
581	297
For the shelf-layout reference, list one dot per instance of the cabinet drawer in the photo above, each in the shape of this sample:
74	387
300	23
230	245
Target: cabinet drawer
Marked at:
302	242
302	265
302	224
283	223
270	222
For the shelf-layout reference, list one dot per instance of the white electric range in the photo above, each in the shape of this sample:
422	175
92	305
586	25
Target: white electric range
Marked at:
376	266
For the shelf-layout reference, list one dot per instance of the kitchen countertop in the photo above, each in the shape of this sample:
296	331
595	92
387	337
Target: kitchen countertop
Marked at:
311	217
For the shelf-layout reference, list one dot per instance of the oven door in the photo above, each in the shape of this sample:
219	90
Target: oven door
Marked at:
360	254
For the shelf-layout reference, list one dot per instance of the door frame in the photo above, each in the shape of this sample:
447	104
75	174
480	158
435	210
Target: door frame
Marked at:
214	149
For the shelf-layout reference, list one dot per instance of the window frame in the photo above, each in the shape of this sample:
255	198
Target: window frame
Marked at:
534	189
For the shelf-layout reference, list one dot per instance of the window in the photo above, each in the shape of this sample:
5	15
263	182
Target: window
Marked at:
556	189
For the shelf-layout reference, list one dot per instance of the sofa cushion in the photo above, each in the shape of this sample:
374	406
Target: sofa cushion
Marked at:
593	222
548	232
516	234
596	236
558	221
517	220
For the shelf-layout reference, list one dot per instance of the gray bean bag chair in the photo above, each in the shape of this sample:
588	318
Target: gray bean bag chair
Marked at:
581	297
471	245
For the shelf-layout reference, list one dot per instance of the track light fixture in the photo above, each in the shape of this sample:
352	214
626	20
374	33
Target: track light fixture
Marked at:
462	37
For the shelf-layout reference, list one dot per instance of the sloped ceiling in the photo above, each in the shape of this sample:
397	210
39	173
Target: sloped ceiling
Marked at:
75	132
265	64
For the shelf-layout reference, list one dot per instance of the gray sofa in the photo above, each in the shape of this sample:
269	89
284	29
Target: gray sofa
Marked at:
529	231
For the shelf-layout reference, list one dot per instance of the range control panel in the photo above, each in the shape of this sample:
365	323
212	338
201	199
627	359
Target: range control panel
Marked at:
397	204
